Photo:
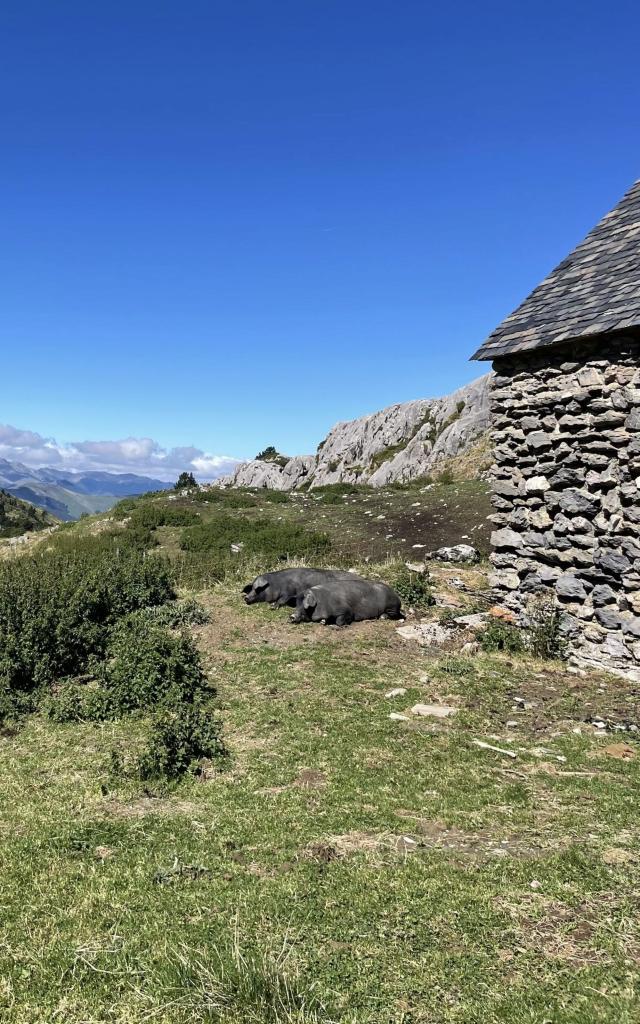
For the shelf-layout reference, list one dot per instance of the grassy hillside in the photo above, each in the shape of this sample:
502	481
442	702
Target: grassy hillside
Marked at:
322	862
18	517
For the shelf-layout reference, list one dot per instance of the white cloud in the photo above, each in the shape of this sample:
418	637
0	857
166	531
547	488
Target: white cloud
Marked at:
141	455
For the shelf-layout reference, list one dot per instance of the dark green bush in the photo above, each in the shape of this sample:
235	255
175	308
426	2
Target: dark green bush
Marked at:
333	494
72	701
228	498
273	497
271	540
146	665
502	636
413	588
56	609
162	514
179	739
446	477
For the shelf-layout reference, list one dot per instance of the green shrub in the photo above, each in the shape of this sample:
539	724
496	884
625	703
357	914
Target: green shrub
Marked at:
56	609
228	498
272	540
445	477
273	497
147	666
544	638
72	701
413	588
179	739
157	514
176	614
332	494
503	637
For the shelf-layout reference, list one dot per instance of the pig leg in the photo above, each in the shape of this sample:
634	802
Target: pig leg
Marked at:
345	619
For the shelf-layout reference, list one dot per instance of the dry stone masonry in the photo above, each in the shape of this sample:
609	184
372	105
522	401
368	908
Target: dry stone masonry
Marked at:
566	430
565	413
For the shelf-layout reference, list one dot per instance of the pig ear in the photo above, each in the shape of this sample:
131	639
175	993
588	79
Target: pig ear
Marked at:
309	600
248	588
260	583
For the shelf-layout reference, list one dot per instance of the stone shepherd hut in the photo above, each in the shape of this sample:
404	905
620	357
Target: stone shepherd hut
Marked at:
566	428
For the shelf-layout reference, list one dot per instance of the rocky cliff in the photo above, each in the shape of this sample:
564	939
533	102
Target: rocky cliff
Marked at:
401	443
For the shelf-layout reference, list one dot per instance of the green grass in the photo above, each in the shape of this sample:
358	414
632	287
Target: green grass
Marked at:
281	890
337	865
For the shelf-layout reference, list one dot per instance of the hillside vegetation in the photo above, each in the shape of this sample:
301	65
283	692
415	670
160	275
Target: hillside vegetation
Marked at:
18	517
209	814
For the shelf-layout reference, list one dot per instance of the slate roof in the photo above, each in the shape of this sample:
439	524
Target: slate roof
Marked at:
596	289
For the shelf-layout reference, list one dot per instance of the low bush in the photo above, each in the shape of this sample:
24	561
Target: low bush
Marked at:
146	665
271	540
333	494
544	638
273	497
176	614
228	498
74	701
446	477
56	610
413	588
502	637
179	739
157	514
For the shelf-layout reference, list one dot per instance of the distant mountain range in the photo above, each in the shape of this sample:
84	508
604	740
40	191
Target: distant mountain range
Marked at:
67	495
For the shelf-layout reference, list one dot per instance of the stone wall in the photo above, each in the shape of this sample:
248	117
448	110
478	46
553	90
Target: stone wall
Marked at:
566	479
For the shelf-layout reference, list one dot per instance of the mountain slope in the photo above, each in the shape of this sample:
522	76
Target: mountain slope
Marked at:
401	443
68	495
18	517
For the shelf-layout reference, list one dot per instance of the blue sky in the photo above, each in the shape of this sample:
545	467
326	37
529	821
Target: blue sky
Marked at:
230	224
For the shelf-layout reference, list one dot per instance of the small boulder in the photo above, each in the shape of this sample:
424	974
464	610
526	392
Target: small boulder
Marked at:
433	710
456	553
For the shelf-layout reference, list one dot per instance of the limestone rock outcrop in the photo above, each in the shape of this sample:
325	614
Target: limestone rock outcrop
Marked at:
401	443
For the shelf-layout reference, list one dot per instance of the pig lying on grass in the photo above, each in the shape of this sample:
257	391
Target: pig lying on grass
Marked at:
347	600
283	587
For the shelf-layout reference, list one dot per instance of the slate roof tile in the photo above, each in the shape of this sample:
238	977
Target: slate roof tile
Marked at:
594	290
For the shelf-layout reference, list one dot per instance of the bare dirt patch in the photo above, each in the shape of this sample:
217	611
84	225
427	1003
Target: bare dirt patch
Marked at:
142	807
558	932
478	846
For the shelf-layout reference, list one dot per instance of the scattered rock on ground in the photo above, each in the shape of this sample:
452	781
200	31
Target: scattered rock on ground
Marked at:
433	710
476	621
457	553
425	633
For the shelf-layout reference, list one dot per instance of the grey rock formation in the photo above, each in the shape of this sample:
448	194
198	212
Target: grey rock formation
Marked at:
401	443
